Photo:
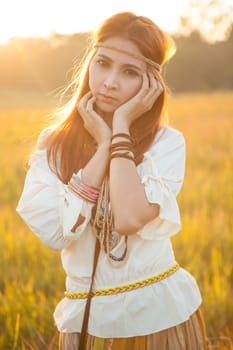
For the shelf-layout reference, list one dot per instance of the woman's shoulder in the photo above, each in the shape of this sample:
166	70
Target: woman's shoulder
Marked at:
39	154
43	137
167	141
167	133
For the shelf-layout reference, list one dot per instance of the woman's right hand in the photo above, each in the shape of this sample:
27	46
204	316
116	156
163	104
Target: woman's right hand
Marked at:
93	122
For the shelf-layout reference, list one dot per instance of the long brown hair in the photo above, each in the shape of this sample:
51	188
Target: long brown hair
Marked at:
69	145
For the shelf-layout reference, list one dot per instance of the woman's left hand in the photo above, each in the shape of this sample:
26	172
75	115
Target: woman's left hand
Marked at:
142	102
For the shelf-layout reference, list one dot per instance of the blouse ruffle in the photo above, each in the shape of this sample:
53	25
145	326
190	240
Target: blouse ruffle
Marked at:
162	173
47	205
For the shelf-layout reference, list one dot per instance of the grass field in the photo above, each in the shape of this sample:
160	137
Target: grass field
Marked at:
32	280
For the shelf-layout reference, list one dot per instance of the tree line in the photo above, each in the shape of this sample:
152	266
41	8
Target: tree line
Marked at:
47	64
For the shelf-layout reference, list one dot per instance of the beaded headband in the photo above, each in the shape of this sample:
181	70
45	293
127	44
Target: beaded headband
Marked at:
138	56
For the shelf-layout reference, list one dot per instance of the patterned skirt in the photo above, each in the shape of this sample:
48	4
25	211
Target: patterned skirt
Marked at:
189	335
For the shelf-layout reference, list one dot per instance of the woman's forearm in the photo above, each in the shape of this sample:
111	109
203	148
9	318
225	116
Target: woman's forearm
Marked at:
131	209
93	173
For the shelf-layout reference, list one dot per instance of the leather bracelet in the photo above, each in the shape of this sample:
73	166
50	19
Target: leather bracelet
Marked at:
122	134
116	145
122	155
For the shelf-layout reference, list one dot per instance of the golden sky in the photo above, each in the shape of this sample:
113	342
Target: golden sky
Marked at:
42	17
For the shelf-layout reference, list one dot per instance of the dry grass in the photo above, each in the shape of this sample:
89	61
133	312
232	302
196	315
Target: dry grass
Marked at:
30	288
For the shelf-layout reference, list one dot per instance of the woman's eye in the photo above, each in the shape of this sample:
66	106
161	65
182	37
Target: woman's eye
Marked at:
102	63
131	72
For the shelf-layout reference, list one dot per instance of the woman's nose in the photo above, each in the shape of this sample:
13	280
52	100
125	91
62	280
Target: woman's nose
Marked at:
111	81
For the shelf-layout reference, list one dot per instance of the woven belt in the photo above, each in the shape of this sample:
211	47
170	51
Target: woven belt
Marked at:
127	287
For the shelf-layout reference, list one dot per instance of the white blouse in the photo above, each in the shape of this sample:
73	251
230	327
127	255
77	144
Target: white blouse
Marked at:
51	210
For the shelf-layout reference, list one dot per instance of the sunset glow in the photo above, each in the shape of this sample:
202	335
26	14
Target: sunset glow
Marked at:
27	18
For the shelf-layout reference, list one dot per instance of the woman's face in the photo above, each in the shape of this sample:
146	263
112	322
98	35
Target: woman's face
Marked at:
115	77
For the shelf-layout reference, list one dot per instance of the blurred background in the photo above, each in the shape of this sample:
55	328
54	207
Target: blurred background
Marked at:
41	42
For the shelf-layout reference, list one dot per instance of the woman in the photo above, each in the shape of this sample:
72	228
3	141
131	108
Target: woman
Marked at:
107	175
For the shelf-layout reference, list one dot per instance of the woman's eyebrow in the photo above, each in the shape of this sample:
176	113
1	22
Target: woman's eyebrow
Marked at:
128	65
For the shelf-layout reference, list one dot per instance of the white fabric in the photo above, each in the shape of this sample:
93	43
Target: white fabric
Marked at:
51	210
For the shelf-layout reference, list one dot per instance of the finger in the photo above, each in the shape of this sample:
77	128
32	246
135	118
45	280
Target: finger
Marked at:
83	101
153	81
160	88
87	96
156	86
154	92
90	102
145	81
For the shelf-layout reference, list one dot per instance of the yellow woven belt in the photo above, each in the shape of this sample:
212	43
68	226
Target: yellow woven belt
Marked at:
125	288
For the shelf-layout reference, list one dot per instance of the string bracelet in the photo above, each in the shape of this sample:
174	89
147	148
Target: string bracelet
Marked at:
92	189
80	195
117	147
86	188
124	135
121	146
83	191
122	155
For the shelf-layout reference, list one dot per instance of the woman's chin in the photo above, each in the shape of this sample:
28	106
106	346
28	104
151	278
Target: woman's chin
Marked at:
104	110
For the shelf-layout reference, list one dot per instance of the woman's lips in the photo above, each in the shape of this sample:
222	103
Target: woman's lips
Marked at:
106	98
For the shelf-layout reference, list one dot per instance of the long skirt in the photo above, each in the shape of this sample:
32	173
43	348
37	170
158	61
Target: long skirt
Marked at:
189	335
